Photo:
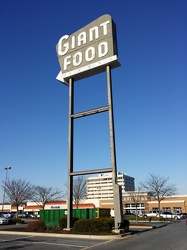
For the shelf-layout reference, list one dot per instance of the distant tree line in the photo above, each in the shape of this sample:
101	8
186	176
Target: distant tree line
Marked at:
19	191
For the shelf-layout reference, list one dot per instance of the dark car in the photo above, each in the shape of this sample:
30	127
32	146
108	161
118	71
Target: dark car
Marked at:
128	214
184	215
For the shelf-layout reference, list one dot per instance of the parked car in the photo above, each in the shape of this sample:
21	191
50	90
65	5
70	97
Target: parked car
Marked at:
152	214
8	215
32	215
184	215
3	220
22	215
169	215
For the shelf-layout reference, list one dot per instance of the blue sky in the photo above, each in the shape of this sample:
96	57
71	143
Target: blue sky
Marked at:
149	91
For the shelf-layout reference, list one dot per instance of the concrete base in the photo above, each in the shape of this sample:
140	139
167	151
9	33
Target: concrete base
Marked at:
118	231
67	229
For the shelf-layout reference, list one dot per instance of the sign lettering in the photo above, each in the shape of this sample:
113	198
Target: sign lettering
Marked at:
88	50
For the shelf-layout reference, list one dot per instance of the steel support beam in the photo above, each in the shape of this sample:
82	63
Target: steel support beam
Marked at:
113	169
116	188
95	171
70	154
90	112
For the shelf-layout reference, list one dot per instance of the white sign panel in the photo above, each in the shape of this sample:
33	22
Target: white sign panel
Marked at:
88	51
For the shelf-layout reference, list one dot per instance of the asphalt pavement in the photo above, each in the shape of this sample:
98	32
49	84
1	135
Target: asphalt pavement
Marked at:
148	236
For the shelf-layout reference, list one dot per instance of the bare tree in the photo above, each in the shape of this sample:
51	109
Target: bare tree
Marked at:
136	197
18	191
79	189
41	195
158	187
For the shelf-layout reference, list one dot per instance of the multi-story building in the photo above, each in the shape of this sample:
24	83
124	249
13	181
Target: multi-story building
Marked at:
138	201
141	202
101	186
132	201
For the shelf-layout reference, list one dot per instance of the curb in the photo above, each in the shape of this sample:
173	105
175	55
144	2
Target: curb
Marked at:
142	227
67	235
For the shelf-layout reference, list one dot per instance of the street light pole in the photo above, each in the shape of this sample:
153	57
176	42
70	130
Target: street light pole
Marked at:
6	168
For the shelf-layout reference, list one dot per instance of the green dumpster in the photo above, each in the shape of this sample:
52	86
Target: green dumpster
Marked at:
51	217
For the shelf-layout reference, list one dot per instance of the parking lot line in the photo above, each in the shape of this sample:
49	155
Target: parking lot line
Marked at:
26	237
21	239
99	244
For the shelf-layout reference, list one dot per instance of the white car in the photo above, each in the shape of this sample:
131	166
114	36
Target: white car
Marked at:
152	214
3	220
169	215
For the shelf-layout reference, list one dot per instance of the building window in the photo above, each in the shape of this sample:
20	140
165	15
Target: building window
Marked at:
141	205
166	209
155	209
177	210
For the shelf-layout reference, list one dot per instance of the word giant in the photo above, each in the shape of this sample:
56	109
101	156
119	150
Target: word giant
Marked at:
88	51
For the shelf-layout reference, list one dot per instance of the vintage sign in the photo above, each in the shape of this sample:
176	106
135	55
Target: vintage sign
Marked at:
88	51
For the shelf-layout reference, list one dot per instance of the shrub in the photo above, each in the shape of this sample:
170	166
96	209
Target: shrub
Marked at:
15	221
63	222
37	226
155	219
125	225
145	219
107	224
97	225
82	226
129	217
11	221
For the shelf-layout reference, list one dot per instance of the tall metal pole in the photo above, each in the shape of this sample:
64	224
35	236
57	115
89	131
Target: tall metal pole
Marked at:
111	125
6	168
116	188
70	154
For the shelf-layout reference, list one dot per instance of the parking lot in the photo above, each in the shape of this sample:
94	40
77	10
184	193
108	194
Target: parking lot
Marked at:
170	235
31	242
